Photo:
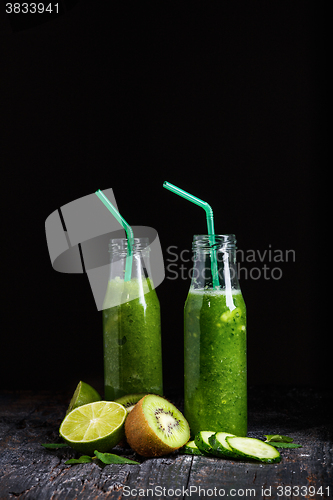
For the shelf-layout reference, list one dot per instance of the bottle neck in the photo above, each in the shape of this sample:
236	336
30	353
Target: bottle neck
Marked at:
216	256
118	249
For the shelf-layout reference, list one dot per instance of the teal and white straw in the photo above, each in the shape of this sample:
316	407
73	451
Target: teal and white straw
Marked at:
210	224
128	230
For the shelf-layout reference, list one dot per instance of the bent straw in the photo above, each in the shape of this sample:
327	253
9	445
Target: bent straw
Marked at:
129	233
210	224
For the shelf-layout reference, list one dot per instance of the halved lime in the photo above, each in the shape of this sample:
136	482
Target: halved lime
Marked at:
83	395
94	426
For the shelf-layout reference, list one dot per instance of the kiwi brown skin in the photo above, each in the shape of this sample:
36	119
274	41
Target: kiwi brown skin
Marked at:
141	437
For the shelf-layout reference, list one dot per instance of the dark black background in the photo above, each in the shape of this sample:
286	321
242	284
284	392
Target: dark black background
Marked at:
224	99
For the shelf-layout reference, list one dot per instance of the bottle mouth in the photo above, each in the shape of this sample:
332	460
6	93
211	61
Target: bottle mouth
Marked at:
221	242
119	245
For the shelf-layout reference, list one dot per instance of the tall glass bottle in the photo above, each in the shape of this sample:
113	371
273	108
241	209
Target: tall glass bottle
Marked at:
131	325
215	341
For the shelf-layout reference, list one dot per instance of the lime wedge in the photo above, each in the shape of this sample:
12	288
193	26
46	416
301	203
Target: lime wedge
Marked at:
83	395
94	426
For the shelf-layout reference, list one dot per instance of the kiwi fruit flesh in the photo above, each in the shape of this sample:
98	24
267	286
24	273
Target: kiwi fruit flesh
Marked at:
155	427
130	400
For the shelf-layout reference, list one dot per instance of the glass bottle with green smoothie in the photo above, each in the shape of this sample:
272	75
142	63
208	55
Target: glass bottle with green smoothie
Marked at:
131	325
215	341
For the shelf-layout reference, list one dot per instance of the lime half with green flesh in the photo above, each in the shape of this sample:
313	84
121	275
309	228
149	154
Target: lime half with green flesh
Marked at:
94	426
83	395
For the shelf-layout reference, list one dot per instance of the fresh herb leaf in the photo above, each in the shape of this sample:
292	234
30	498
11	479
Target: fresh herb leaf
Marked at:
281	441
283	445
84	459
109	458
277	438
54	446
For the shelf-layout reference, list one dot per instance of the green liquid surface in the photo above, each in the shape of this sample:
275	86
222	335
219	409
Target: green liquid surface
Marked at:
215	362
132	340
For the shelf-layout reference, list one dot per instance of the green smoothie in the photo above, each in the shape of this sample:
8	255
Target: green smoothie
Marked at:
215	361
132	339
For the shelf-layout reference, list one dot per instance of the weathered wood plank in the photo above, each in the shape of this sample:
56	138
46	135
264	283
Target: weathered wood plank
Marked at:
30	472
160	478
86	481
297	469
301	414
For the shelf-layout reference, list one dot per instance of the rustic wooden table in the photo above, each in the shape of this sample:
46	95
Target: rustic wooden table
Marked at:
29	471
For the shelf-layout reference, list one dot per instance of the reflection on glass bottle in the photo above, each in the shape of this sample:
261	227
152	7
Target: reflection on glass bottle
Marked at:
131	325
215	342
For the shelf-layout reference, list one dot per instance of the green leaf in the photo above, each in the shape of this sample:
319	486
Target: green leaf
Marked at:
54	446
84	459
277	438
109	458
283	445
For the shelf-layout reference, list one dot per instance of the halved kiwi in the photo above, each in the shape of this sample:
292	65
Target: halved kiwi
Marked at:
130	400
155	427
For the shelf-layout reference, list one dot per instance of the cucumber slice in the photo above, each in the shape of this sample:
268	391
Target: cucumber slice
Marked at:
190	448
201	440
220	447
254	448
